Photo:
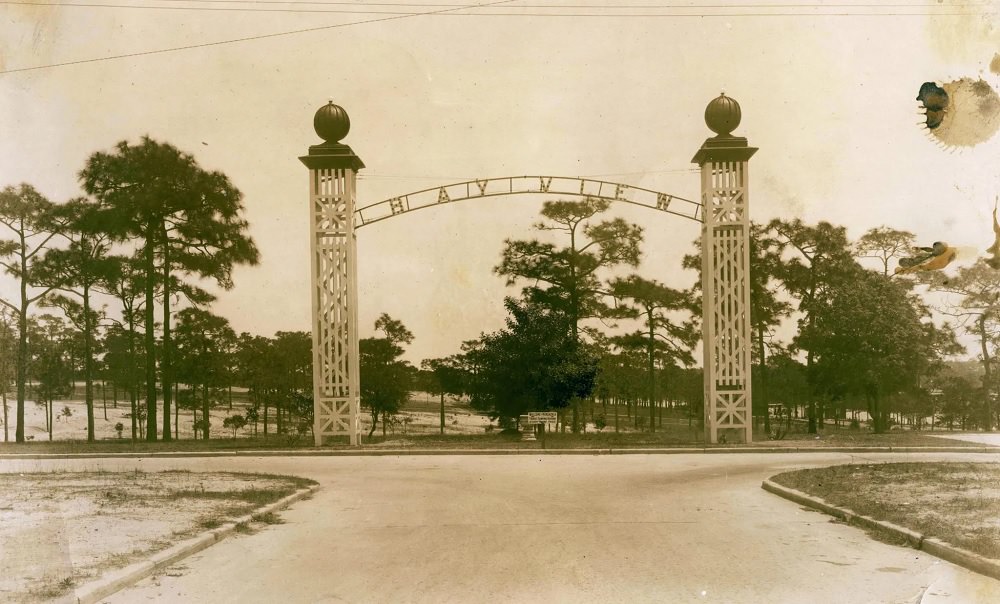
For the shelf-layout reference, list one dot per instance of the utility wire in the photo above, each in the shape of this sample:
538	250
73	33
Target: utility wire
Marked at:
819	11
454	10
723	5
249	38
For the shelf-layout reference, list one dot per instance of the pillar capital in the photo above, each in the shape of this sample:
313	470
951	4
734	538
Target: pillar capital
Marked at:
723	149
335	156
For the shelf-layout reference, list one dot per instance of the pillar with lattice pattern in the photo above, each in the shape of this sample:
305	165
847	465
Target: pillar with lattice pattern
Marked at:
725	257
333	169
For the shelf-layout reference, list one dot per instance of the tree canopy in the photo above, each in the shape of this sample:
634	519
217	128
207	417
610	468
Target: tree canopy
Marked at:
534	364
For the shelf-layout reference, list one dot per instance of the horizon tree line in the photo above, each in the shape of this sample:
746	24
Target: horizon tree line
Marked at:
154	226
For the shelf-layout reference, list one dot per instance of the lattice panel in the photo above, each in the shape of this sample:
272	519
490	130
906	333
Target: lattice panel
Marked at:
335	416
731	409
332	211
726	310
333	341
726	192
334	304
729	313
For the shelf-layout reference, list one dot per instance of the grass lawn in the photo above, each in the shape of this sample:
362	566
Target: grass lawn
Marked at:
59	530
668	435
955	502
125	445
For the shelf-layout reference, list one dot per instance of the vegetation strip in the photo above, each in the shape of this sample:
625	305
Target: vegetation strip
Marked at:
508	451
154	224
934	547
917	539
115	581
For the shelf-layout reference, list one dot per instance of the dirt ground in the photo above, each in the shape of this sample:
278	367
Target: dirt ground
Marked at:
421	416
59	530
956	502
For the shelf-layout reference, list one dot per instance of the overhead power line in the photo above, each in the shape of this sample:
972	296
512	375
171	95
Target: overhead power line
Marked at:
737	11
249	38
552	11
557	6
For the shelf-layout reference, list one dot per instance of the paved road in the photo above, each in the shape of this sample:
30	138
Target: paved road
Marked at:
623	528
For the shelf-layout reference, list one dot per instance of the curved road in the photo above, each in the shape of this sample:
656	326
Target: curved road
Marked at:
553	528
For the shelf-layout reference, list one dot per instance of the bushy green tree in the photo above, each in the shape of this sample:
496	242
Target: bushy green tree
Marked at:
815	262
664	336
534	364
203	343
50	342
975	305
8	359
385	377
30	220
185	219
444	376
874	339
567	279
234	422
75	272
884	244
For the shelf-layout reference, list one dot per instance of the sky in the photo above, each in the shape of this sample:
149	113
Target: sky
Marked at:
573	88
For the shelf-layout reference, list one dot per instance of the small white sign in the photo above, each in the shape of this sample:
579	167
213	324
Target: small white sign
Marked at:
548	417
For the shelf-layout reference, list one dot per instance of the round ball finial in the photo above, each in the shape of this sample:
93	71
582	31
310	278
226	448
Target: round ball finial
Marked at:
723	115
331	122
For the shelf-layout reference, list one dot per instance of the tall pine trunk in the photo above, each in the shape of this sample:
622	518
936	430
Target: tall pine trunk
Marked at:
165	369
987	374
88	364
763	380
22	348
150	269
133	382
204	410
652	373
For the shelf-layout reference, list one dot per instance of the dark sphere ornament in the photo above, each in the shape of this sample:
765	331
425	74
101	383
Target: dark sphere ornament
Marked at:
723	115
331	123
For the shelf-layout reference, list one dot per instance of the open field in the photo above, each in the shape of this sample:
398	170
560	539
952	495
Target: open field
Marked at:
672	436
418	425
669	436
61	529
956	502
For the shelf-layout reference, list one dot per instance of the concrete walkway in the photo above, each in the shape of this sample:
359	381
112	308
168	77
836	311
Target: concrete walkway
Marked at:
637	528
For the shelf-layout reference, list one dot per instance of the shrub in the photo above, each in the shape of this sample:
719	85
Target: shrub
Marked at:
234	422
600	422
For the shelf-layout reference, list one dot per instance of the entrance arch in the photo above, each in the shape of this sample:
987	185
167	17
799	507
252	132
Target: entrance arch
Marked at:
722	211
566	186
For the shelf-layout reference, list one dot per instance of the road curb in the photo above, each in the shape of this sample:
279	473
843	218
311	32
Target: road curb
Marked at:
111	582
931	545
414	452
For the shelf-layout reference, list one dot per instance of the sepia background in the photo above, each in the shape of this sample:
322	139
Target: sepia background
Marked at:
614	91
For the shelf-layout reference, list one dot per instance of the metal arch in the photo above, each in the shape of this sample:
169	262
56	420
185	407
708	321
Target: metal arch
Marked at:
516	185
